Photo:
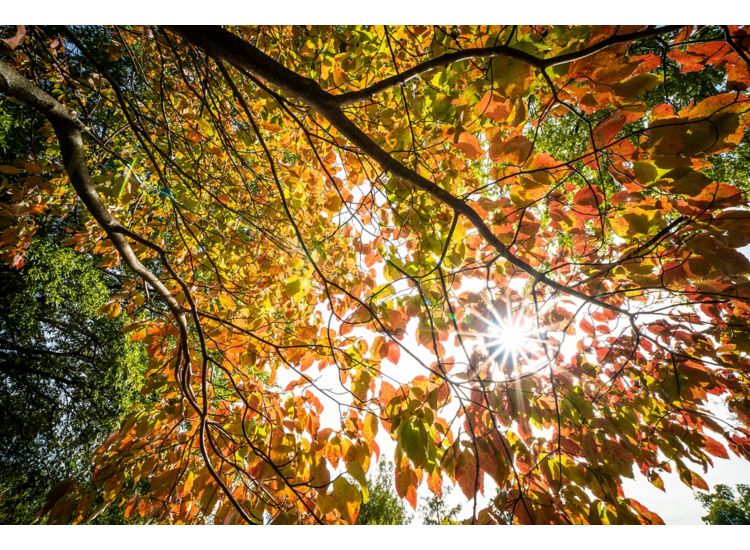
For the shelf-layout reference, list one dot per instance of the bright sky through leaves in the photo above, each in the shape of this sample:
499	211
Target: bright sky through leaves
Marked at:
511	340
513	251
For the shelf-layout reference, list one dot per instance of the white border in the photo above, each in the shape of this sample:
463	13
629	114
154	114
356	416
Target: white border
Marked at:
216	12
372	537
371	12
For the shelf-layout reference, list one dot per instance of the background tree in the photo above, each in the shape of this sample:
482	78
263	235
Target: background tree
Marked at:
512	250
725	507
435	510
67	374
383	506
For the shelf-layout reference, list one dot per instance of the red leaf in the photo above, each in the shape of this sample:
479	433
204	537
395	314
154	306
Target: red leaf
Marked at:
406	482
470	146
18	261
715	448
494	107
394	352
14	41
587	201
607	129
435	482
698	481
644	512
587	327
516	150
411	496
466	473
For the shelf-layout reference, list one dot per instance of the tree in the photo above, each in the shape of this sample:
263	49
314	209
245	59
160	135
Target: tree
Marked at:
726	508
383	506
436	511
67	374
514	251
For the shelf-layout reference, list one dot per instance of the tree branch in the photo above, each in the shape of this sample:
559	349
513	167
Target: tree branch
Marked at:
223	45
493	51
68	131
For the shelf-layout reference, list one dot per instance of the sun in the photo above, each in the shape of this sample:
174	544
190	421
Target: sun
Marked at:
511	340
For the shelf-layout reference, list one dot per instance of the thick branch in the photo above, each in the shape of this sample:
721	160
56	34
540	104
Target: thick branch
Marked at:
68	131
494	51
223	45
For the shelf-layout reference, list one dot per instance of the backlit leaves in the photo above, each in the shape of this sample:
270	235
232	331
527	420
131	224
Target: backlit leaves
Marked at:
339	264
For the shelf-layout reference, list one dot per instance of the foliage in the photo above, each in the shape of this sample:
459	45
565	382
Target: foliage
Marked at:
513	251
67	374
725	507
383	506
436	511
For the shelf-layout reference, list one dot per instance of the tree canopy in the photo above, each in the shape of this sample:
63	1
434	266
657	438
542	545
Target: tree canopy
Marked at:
511	253
437	511
724	507
67	375
382	507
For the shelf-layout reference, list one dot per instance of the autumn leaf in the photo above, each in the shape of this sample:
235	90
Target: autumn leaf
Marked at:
292	287
14	41
512	252
469	145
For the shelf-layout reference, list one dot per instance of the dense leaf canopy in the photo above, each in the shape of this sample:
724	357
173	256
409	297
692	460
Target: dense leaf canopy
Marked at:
67	375
510	256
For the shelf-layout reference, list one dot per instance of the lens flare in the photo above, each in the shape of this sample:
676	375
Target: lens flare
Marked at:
511	341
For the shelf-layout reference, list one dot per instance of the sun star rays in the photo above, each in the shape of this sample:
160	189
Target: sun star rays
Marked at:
510	341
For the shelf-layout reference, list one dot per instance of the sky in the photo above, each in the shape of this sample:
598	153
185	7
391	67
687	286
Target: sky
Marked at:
677	505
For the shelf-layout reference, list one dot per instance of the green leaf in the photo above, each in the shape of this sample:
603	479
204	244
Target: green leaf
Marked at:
354	469
646	172
685	181
511	77
292	287
412	439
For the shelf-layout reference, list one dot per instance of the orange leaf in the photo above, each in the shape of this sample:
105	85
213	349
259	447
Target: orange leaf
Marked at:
466	473
715	448
14	41
470	146
494	107
394	352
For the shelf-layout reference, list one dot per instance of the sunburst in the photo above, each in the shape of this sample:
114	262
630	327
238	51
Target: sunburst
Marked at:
511	340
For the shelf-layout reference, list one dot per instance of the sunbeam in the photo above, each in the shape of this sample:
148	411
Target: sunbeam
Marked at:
510	341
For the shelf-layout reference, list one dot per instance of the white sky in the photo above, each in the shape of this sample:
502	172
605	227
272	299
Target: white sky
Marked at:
677	505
